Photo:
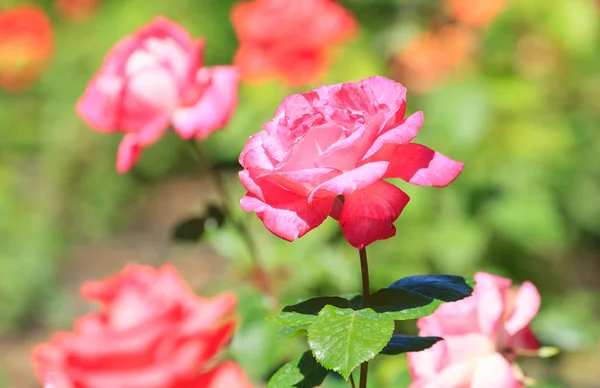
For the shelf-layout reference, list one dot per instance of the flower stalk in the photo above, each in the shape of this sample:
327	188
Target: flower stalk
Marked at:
364	269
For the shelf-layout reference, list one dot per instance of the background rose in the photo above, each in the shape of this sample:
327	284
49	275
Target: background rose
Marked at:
152	331
289	39
25	46
339	140
152	79
481	335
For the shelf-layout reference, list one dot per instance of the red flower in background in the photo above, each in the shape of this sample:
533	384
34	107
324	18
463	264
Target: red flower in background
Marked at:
25	46
327	153
76	10
475	13
152	332
152	79
289	39
482	336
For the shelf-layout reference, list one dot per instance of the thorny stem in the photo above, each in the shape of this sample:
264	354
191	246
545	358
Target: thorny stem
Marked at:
364	269
260	276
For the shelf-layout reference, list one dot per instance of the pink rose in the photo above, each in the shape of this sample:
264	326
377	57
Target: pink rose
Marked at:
327	152
153	79
152	331
482	337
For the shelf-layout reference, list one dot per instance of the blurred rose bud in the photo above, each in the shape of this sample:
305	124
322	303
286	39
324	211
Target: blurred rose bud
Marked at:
25	46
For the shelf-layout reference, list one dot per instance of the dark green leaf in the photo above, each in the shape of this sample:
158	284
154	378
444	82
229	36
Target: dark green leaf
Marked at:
304	372
190	230
401	343
342	338
448	288
315	305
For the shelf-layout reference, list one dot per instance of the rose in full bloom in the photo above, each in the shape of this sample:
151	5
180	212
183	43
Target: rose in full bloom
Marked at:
76	10
291	40
475	13
25	46
431	57
482	337
151	332
327	152
153	79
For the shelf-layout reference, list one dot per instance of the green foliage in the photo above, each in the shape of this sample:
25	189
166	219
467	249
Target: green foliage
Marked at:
304	372
342	339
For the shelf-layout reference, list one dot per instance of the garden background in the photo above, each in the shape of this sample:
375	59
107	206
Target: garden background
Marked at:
520	107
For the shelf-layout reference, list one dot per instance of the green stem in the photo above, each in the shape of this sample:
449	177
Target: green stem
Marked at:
260	275
352	381
364	269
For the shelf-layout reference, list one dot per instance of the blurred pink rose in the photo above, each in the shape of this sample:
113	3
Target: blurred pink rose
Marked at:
326	153
153	79
152	331
481	335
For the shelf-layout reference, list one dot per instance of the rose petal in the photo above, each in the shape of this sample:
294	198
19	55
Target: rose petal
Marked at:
401	134
422	166
288	215
490	292
368	214
494	371
226	375
351	181
215	107
128	153
527	304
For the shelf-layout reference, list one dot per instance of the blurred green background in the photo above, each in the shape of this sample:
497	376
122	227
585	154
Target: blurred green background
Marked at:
522	112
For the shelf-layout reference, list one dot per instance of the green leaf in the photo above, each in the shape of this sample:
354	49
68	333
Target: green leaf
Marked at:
341	338
301	315
400	305
416	312
303	372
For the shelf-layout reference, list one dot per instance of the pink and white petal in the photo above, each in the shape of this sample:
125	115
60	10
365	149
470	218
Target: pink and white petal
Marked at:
465	347
254	155
291	216
401	134
422	166
225	375
452	376
494	371
389	93
351	181
128	153
427	363
368	215
215	107
346	153
527	305
490	292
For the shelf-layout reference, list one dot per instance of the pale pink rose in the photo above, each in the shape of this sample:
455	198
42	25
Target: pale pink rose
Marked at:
153	79
327	152
481	335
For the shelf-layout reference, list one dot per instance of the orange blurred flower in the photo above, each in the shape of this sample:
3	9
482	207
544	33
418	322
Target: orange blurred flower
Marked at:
25	46
475	13
289	39
432	56
76	10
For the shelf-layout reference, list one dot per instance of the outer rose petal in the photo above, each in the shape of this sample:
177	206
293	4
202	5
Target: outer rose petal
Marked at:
422	166
225	375
215	107
347	183
128	153
400	134
368	215
527	305
291	216
99	104
494	371
490	292
427	363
